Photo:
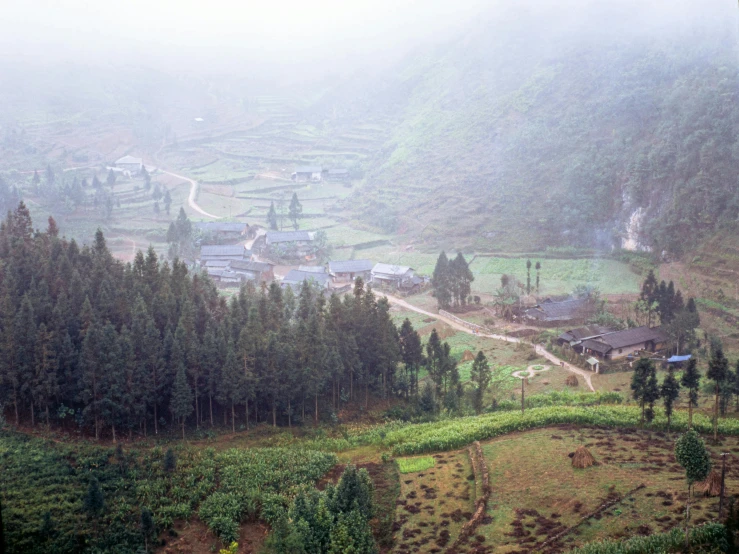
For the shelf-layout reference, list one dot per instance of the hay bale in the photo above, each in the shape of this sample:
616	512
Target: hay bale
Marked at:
572	381
712	485
582	458
467	356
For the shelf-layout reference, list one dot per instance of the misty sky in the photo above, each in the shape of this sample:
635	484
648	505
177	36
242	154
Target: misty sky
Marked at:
207	34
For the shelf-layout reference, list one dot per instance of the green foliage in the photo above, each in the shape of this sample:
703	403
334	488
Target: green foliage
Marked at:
710	537
94	502
691	453
414	465
456	433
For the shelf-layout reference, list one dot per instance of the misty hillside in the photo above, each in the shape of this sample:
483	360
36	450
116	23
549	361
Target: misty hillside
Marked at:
532	131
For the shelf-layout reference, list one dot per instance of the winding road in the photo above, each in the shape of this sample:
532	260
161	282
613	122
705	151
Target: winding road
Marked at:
191	197
586	375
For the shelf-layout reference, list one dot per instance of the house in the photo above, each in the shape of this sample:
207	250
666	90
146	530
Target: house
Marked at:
224	276
227	231
295	278
258	272
343	271
621	344
130	164
553	313
300	241
312	268
307	173
573	336
212	252
397	276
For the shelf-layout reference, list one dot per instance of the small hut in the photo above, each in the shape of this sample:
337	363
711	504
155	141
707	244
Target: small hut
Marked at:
582	458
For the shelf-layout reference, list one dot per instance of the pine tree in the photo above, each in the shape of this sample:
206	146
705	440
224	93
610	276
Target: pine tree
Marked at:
480	375
642	385
232	389
94	501
651	393
295	210
272	217
718	367
441	281
167	201
170	461
528	277
538	269
691	381
110	179
182	398
462	278
411	352
147	526
649	293
670	391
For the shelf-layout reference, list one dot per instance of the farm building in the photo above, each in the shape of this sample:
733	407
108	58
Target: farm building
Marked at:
312	268
582	333
549	312
300	241
307	173
213	252
129	163
258	272
295	279
621	344
348	270
227	231
397	276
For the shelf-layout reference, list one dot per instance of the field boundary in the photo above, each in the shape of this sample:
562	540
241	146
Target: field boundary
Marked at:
473	326
602	508
481	472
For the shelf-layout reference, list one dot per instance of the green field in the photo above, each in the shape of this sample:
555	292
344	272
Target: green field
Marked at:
414	465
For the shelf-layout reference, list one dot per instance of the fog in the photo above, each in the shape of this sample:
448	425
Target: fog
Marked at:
287	35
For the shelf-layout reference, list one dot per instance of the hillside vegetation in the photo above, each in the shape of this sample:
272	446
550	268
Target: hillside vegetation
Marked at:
535	130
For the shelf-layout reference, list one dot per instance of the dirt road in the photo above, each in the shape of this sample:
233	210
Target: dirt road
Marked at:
193	191
586	375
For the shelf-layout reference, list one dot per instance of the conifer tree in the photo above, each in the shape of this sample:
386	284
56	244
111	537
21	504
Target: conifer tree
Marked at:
480	376
718	367
462	278
181	403
538	269
411	352
167	200
441	281
111	178
670	391
272	217
295	210
691	381
94	501
528	277
644	386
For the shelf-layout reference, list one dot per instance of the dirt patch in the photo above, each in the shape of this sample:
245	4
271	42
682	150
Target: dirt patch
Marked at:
194	537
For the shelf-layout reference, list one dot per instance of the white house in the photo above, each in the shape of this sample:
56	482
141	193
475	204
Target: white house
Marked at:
129	163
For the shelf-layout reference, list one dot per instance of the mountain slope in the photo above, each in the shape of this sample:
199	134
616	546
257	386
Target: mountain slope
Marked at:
535	130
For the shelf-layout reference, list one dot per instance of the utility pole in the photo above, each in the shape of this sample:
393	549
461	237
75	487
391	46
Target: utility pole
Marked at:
523	379
723	476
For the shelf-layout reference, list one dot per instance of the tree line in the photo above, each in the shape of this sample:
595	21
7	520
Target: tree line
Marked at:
121	348
452	281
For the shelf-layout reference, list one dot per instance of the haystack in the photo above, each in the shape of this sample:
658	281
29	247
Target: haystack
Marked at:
582	458
467	356
572	381
711	486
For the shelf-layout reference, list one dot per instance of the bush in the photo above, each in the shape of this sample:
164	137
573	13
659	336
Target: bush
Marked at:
218	508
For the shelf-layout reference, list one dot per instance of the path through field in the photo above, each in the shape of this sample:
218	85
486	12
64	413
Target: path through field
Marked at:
539	349
193	191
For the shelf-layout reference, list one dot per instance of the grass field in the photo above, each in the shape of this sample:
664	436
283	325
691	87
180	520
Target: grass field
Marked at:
414	465
537	492
434	504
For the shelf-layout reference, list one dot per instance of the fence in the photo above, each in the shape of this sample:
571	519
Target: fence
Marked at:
473	326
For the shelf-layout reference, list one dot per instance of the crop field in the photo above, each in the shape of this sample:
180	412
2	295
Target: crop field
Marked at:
414	465
557	276
537	493
434	503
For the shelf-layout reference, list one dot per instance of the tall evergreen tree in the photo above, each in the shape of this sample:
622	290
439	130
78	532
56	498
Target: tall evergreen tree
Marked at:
538	270
272	217
480	375
295	210
691	381
670	391
643	384
182	398
718	367
528	277
441	281
411	352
